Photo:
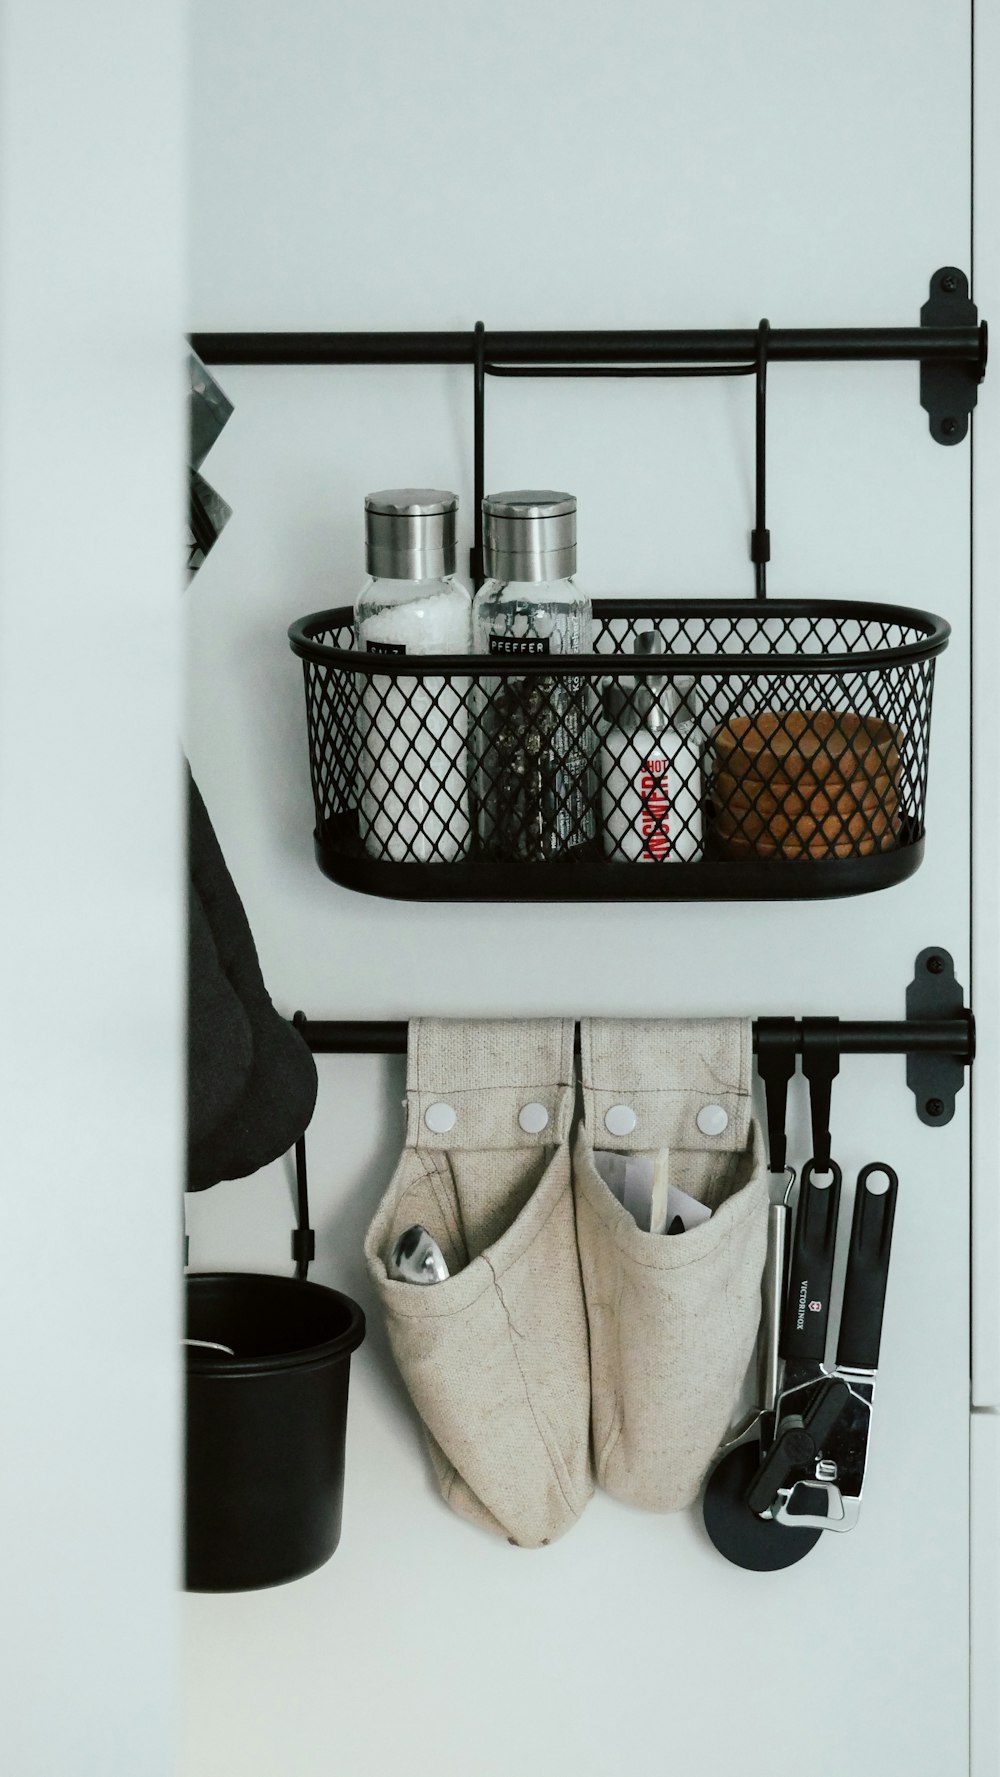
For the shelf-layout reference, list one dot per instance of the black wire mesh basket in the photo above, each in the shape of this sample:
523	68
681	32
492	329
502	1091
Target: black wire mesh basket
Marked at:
771	750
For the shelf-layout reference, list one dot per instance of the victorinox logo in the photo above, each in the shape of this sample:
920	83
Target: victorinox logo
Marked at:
813	1307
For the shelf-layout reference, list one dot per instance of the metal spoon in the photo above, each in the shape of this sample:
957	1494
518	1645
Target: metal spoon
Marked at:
417	1258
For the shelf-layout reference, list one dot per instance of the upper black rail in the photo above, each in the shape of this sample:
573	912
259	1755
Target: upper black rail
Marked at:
950	345
959	345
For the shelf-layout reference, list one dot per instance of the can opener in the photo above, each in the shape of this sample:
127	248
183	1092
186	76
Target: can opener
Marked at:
766	1507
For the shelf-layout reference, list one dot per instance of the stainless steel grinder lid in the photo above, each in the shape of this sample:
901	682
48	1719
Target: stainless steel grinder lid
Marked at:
410	533
529	534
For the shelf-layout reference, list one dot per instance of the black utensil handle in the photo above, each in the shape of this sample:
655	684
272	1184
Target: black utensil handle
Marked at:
798	1444
867	1270
810	1270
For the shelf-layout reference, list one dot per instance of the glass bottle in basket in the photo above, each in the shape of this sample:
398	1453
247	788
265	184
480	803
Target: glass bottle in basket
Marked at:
651	780
413	800
533	739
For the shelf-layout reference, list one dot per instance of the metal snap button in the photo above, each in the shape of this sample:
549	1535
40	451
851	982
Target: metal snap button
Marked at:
620	1119
533	1118
440	1118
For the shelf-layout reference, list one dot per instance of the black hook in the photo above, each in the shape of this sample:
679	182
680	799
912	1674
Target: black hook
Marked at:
303	1237
760	537
478	452
777	1054
820	1066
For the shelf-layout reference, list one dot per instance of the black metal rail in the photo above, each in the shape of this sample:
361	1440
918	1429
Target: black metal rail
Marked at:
958	345
940	1036
938	1048
950	346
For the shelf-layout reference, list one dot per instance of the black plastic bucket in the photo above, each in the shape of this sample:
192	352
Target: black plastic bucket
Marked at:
266	1427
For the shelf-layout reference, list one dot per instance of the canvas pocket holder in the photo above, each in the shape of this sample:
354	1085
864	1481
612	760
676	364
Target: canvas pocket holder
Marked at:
495	1357
673	1319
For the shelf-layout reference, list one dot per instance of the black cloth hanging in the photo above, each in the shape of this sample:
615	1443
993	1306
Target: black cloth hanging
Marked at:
251	1078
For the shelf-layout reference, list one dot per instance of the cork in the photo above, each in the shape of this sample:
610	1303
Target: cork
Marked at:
805	784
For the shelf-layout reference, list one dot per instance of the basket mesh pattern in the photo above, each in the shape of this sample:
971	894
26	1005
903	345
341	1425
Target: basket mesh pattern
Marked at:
802	758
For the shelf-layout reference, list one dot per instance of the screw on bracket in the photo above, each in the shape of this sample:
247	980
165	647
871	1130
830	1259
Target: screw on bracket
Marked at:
949	282
935	965
934	1107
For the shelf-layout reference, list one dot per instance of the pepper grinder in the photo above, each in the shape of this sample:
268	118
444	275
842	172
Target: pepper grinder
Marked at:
534	739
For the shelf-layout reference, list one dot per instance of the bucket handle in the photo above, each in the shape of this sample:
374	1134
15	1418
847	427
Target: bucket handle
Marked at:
303	1236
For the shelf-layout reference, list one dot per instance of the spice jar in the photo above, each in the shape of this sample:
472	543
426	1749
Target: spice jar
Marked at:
535	784
412	732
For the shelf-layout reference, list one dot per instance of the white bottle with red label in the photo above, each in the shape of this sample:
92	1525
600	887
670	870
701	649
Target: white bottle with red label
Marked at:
651	784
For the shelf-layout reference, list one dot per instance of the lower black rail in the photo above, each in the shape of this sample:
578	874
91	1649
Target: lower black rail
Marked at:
941	1036
936	1036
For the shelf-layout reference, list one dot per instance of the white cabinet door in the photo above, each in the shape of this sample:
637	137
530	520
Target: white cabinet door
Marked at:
92	915
543	165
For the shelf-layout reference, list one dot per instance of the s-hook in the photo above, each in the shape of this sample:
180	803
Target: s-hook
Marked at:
760	537
304	1236
820	1066
777	1057
477	568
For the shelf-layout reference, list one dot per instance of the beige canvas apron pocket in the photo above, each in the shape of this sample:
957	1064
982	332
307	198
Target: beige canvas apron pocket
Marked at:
495	1357
673	1318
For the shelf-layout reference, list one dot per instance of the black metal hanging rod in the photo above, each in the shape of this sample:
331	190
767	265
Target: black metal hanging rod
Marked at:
940	1036
735	348
937	1036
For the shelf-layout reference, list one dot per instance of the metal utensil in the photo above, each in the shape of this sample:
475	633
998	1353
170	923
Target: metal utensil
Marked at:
829	1498
745	1532
772	1291
766	1507
417	1258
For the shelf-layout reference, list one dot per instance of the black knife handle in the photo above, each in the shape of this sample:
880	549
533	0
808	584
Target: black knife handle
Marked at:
867	1270
810	1271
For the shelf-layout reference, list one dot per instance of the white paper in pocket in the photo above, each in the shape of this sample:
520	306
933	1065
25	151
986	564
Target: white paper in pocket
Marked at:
641	1184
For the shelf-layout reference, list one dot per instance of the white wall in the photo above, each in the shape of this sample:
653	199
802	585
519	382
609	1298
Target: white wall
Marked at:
556	166
986	937
91	527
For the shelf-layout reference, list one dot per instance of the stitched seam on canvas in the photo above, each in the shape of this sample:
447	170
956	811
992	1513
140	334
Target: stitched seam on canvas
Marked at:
618	1420
550	1066
527	1395
447	1313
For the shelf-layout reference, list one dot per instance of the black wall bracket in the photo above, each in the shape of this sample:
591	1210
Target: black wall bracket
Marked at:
949	388
935	1076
